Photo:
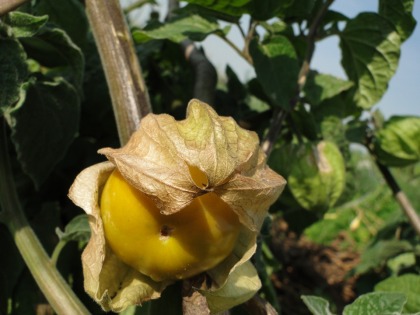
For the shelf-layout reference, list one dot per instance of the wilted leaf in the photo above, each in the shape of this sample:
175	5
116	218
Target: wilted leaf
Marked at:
409	284
43	124
320	87
377	303
397	143
13	70
400	13
277	69
194	27
243	283
317	175
25	25
317	305
371	51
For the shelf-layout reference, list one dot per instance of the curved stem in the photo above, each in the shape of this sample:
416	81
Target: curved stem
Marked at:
235	48
129	95
52	284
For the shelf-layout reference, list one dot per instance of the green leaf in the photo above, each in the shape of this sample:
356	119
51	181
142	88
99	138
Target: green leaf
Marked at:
299	9
377	303
397	143
371	51
409	284
56	52
277	69
235	87
194	27
68	15
76	230
264	10
25	25
43	124
13	72
317	175
399	12
234	8
317	305
242	284
320	87
377	255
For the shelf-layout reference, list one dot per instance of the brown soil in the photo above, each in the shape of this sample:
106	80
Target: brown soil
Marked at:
311	269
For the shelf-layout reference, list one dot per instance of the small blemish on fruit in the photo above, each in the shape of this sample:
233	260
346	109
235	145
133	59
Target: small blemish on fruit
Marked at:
165	231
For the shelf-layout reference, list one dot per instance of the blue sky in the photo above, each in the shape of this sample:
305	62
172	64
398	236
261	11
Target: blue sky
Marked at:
403	95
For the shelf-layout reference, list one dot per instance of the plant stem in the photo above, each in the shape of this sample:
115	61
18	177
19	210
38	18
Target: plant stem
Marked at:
129	95
235	48
9	5
54	287
278	117
136	5
401	197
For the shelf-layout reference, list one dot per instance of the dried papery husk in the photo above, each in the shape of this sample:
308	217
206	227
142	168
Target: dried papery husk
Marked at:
111	283
159	160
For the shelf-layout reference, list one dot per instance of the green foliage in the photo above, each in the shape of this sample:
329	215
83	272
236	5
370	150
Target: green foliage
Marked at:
397	143
54	99
277	69
371	51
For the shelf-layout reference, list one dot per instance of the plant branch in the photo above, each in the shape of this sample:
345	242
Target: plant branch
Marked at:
401	197
235	48
9	5
54	287
249	37
129	95
279	116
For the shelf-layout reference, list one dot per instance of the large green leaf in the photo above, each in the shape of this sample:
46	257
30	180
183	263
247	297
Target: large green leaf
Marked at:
371	50
377	303
68	15
317	175
13	72
25	25
399	12
58	55
377	255
320	87
277	69
409	284
195	27
317	305
397	143
43	125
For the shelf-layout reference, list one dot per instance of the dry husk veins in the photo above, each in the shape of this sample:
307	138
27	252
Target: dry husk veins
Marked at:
156	160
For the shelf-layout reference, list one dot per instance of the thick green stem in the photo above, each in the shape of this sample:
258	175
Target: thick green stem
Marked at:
130	99
56	290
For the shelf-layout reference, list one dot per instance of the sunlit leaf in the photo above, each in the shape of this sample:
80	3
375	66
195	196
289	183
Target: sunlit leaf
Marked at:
25	25
400	13
194	27
317	305
371	51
